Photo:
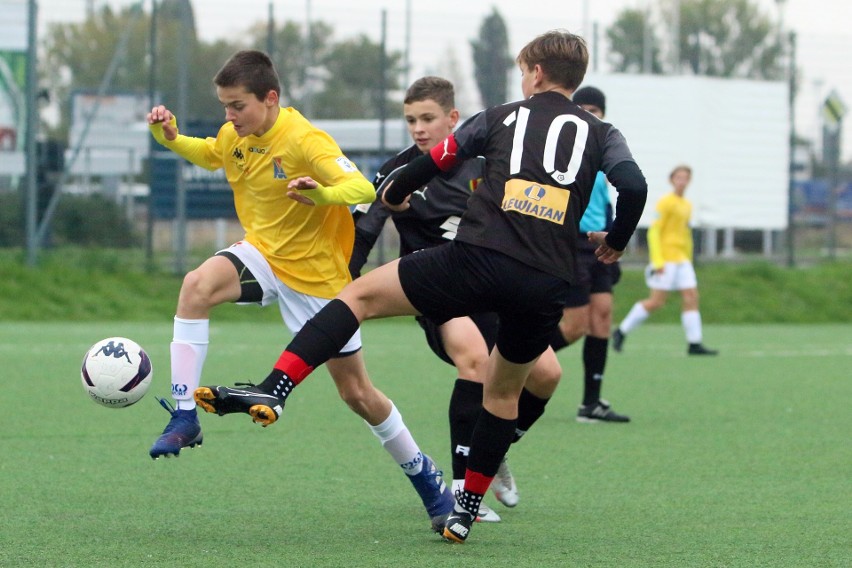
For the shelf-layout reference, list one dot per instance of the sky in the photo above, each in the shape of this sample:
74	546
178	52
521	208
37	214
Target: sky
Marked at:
442	29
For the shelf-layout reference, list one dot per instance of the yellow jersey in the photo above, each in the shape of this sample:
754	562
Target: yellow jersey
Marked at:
669	237
308	247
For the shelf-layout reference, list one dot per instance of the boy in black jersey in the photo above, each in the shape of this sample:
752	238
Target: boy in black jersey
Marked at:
513	253
431	220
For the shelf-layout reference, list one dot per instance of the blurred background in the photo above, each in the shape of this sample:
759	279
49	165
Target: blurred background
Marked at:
753	94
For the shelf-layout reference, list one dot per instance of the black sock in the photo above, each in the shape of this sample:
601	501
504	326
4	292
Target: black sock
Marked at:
594	363
277	383
557	340
489	443
324	335
465	406
530	409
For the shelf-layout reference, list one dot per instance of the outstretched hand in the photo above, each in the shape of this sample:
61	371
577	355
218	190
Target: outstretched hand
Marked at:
604	252
161	115
301	183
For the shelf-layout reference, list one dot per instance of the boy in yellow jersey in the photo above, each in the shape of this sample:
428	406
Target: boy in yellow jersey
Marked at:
670	248
292	188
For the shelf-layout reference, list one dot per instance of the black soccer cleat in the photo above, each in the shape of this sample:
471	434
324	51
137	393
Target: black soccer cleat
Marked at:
600	412
264	408
699	349
618	340
457	527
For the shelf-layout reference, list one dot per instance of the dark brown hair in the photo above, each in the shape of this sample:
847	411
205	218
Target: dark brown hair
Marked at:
251	69
432	88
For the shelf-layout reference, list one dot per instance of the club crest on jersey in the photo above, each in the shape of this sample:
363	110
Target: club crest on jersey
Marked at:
536	200
346	165
278	169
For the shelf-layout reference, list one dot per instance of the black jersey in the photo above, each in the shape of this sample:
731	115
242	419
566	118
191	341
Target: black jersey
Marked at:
434	213
541	158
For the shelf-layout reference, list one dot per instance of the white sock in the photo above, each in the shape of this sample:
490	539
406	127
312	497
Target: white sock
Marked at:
691	321
634	319
188	351
398	442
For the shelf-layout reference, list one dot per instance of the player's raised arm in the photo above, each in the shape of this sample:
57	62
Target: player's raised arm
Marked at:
162	123
406	180
163	126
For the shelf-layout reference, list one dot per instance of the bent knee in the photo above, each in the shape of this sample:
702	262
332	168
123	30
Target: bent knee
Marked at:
544	379
574	323
573	330
472	368
196	290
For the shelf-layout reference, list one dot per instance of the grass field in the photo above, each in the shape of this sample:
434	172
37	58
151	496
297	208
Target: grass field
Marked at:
738	461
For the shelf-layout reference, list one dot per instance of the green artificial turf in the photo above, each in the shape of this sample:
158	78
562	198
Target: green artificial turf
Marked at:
741	460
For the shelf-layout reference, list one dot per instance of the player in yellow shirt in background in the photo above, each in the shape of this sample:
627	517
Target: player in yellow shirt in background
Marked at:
670	249
292	188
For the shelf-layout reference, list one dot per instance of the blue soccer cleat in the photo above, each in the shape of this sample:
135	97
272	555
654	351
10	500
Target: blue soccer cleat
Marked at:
182	431
436	496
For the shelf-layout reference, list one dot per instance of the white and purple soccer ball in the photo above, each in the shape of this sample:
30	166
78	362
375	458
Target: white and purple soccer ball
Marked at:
116	372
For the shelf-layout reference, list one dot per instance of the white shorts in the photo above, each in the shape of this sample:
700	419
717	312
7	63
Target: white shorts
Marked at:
296	307
675	276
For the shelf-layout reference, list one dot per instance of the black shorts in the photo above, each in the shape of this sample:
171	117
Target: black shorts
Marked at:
591	276
458	279
488	324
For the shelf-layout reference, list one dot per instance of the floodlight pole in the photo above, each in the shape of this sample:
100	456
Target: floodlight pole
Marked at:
152	91
182	97
383	107
791	185
270	32
30	140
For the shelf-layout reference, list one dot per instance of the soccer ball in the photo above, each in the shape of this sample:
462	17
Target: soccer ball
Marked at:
116	372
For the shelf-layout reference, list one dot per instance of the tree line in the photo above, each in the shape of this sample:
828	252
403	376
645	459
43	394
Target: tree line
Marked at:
353	76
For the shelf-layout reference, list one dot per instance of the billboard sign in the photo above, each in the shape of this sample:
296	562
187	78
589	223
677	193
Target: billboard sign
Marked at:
208	195
13	78
116	141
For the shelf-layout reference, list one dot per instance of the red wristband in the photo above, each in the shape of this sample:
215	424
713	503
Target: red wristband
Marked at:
444	154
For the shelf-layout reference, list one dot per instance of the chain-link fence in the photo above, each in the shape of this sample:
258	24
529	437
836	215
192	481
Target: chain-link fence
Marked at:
91	112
